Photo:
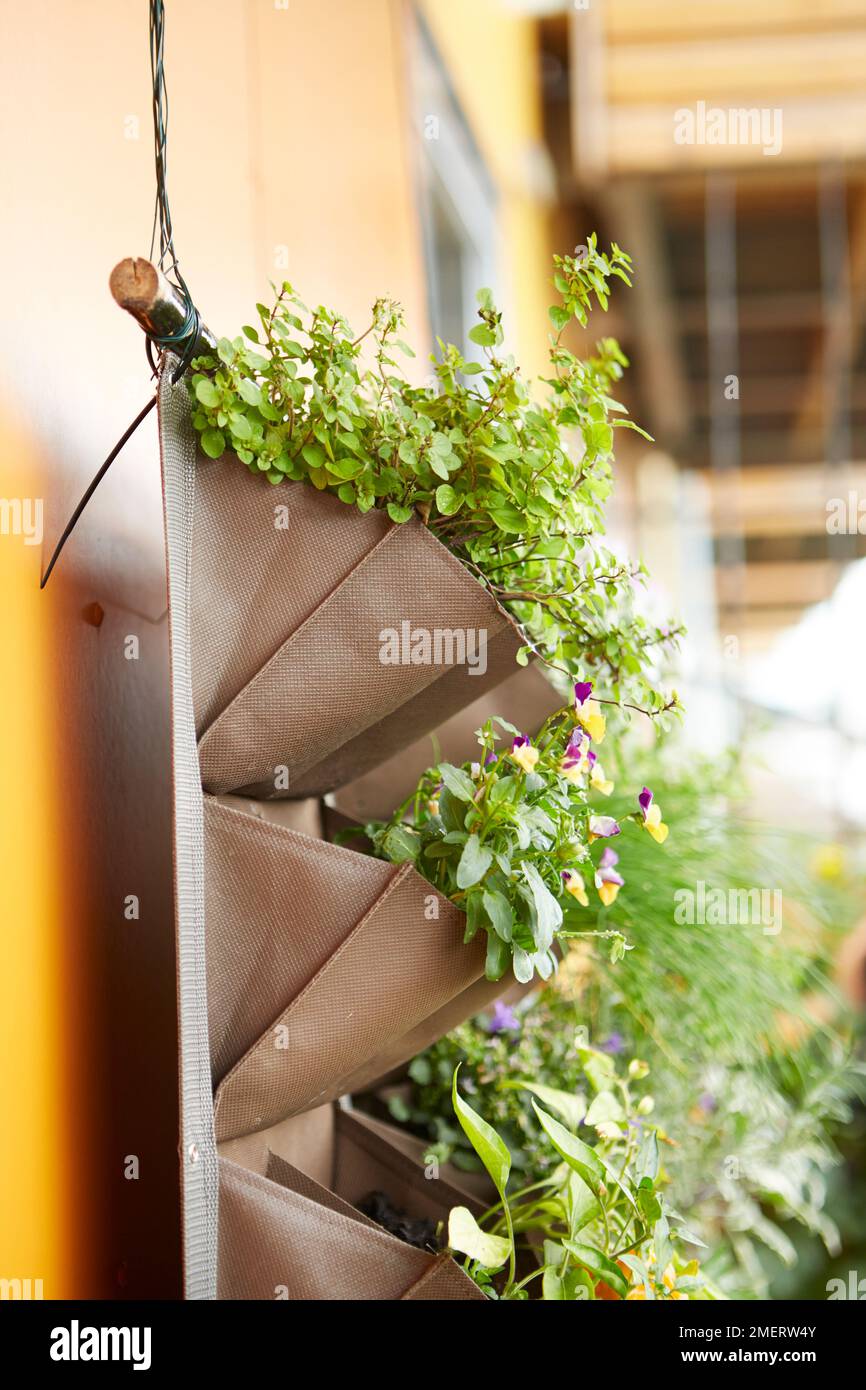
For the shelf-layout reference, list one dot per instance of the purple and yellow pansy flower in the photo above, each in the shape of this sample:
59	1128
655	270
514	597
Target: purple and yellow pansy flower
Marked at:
597	779
587	711
602	827
574	884
607	881
523	753
575	759
652	816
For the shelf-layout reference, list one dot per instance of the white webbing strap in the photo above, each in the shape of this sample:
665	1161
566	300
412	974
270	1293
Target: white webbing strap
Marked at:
199	1171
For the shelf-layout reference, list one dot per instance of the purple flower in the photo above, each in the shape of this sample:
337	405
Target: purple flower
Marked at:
602	827
707	1102
491	758
503	1019
521	741
609	876
645	800
592	757
574	749
582	691
614	1044
608	858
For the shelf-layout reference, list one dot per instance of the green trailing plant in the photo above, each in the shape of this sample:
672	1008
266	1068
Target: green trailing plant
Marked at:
599	1224
514	485
510	838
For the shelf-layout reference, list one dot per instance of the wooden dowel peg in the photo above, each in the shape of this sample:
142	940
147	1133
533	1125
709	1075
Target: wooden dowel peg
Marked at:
140	288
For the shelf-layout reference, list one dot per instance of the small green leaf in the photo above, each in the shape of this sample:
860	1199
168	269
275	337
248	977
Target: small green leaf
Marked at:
213	442
467	1237
458	782
571	1107
647	1165
483	1138
240	426
599	1265
474	862
482	335
576	1154
402	843
498	957
547	909
447	499
251	393
498	909
314	455
399	514
605	1108
509	519
207	393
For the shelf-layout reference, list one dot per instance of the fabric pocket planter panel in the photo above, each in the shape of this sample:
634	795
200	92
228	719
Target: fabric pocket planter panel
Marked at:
326	968
292	592
286	1236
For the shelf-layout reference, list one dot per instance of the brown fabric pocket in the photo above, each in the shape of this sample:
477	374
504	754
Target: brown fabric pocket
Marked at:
286	635
371	1155
285	1236
326	968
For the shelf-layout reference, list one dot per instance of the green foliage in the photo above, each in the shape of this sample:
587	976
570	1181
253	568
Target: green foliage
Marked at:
597	1226
508	839
515	486
749	1086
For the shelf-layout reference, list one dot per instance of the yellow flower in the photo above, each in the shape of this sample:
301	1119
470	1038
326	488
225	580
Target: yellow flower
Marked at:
607	892
433	807
599	782
655	825
590	718
572	772
523	753
828	862
573	883
669	1279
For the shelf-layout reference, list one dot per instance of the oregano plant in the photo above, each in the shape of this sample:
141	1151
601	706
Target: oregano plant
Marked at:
513	477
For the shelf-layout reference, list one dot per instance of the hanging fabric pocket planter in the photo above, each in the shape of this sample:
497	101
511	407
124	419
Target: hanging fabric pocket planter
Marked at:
285	1236
326	968
323	640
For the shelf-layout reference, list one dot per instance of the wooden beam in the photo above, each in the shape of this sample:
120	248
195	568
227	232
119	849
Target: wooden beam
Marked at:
773	583
836	349
641	21
763	71
755	312
779	394
782	499
636	224
640	139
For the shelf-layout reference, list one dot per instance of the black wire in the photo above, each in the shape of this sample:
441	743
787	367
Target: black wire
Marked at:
94	484
185	337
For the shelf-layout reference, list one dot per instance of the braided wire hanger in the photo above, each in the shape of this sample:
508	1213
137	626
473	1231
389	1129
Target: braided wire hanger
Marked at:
186	337
188	332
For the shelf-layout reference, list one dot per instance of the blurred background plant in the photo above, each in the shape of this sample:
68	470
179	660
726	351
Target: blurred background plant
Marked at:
752	1053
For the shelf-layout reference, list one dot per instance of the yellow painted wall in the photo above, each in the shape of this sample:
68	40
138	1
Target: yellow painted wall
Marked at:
490	52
